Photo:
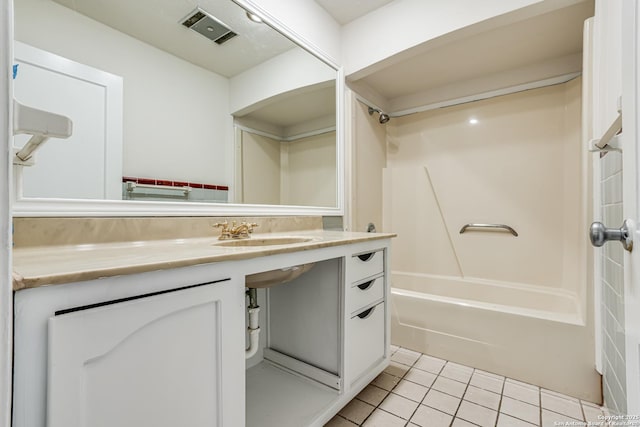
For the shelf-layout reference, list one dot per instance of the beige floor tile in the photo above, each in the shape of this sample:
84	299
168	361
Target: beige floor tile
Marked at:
482	397
521	410
523	384
410	390
393	348
356	411
385	381
420	377
490	374
458	422
529	395
591	404
509	421
429	417
592	412
398	405
442	402
406	357
449	386
380	418
560	395
477	414
372	395
430	364
486	382
552	419
561	404
338	421
457	372
396	369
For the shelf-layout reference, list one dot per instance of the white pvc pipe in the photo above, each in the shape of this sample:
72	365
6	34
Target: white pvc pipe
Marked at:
254	332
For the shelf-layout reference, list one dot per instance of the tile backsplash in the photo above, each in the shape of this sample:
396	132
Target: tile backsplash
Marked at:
30	232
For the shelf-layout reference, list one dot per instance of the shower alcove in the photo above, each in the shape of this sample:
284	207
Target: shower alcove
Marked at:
486	127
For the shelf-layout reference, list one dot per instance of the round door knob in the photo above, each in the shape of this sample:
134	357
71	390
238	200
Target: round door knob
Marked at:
599	235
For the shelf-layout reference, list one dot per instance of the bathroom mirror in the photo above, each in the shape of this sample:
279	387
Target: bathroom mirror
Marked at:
215	109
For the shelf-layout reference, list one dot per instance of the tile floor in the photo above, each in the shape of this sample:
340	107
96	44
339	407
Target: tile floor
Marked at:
417	390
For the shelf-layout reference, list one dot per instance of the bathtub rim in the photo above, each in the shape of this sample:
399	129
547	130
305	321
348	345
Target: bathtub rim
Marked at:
573	317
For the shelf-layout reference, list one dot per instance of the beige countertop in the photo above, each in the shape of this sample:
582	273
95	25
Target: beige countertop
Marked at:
50	265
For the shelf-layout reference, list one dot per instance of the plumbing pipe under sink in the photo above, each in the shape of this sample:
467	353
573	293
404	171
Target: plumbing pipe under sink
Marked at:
253	328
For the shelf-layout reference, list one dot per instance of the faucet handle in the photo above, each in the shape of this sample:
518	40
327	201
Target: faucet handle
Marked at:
224	233
223	225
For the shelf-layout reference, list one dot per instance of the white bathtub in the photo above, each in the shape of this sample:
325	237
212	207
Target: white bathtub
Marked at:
524	332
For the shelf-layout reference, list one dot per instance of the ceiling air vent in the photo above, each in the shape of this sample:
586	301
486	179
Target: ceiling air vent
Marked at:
205	24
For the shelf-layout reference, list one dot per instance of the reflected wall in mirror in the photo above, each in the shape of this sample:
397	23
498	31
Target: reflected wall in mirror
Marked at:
181	94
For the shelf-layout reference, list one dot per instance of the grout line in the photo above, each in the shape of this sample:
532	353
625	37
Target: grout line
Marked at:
462	398
392	388
504	382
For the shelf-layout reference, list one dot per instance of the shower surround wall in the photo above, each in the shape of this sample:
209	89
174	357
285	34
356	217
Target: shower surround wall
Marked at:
516	306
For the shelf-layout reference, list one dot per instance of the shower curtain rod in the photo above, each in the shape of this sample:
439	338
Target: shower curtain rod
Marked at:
471	98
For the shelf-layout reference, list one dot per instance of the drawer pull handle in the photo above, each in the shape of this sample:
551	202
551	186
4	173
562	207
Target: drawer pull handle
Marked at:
366	285
366	257
366	313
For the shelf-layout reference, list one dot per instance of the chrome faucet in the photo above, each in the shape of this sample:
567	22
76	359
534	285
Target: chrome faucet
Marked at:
241	231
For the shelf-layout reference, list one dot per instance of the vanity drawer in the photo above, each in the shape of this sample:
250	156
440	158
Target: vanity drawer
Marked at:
365	293
366	343
366	265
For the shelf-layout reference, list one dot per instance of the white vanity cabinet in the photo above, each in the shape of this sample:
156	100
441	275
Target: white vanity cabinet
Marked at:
158	349
367	343
154	360
167	348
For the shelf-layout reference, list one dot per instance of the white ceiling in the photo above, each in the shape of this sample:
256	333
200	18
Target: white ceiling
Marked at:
537	40
345	11
158	23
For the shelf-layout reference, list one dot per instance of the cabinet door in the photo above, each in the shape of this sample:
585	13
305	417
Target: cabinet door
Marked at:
170	359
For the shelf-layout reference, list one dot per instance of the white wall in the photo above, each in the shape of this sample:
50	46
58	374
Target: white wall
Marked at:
291	70
404	24
6	293
176	118
307	19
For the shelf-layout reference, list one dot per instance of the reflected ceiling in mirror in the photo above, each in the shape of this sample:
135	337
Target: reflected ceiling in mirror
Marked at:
181	93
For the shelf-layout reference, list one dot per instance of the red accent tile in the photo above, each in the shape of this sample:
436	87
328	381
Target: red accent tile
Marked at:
146	181
180	184
129	179
164	182
195	185
209	186
223	188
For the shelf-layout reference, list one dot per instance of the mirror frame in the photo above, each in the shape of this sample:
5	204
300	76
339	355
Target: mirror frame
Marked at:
44	207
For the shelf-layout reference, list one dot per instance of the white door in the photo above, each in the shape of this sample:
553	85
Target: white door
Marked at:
616	87
631	166
88	164
173	359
